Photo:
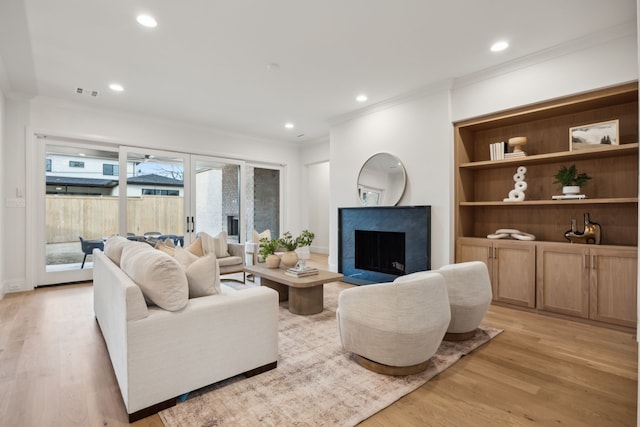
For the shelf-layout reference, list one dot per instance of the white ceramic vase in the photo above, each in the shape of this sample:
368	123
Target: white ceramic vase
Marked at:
571	189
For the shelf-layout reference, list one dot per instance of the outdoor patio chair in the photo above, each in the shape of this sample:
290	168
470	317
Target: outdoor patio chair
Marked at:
88	246
177	240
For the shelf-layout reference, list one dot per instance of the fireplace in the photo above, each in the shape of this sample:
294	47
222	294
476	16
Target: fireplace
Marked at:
381	251
378	244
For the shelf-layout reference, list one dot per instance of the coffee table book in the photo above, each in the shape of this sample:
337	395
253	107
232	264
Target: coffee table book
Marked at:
309	271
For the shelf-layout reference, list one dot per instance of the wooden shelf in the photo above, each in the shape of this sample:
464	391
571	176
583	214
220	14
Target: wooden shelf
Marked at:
594	153
548	273
622	200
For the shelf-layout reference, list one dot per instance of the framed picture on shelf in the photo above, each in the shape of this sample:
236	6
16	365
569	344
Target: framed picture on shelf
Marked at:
594	135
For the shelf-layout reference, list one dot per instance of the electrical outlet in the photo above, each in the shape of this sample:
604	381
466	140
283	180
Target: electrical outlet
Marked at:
13	287
15	203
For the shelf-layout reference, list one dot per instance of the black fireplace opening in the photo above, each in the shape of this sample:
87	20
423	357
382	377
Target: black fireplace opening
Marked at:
381	251
394	241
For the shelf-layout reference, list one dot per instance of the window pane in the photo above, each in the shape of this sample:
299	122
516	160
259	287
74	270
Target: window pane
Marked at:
78	204
155	195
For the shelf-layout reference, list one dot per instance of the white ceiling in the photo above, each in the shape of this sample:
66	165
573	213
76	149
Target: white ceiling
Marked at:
206	62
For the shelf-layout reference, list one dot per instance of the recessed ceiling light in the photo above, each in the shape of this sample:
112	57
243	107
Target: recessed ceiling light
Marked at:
116	87
288	125
361	98
498	46
147	21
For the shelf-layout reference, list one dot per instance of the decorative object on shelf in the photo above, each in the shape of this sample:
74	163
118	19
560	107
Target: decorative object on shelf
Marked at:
517	194
592	232
268	250
516	143
594	135
571	181
503	233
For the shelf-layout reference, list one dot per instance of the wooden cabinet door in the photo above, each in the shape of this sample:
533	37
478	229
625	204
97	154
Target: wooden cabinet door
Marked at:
563	279
613	285
514	272
476	249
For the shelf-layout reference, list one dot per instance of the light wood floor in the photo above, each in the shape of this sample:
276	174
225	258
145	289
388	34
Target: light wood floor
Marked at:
55	371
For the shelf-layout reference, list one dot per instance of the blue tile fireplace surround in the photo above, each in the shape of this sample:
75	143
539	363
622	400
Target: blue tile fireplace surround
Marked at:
378	244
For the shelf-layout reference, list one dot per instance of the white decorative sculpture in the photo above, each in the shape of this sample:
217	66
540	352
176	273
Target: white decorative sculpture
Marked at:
517	194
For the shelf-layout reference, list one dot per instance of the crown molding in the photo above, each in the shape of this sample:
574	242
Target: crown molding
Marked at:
422	92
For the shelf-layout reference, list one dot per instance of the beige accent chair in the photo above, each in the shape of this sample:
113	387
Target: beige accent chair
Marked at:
234	263
470	295
395	328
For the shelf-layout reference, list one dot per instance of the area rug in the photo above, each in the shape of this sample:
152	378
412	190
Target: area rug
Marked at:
316	382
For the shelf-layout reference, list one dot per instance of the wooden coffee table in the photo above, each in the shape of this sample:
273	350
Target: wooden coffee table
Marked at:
305	294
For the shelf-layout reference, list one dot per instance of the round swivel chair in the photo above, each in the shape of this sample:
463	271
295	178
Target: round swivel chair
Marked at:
394	328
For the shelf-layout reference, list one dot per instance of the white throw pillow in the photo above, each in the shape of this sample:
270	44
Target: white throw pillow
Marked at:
202	273
216	244
113	248
257	236
160	277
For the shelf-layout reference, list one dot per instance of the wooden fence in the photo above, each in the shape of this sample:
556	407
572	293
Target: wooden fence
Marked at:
95	217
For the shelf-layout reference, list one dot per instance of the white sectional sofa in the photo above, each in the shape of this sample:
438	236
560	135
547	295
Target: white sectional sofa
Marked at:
158	355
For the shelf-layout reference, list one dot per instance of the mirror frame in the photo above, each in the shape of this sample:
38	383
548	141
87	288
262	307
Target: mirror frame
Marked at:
391	161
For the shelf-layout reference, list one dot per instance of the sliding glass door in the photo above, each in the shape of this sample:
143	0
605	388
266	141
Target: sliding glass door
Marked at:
78	186
91	191
155	203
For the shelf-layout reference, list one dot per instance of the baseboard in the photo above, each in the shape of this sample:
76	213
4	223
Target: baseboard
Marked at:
261	369
152	410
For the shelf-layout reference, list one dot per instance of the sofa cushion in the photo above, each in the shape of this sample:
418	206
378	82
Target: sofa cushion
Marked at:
202	273
113	248
196	247
167	249
257	236
159	276
215	244
230	260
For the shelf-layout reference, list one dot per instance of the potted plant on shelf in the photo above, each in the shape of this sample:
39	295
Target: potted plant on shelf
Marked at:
570	179
268	250
288	242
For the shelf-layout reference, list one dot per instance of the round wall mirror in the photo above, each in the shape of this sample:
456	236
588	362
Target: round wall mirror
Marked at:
381	180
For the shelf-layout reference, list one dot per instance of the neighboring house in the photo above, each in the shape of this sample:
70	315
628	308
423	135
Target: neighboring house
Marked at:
94	176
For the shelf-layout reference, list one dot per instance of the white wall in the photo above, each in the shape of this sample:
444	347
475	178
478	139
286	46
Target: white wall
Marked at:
315	196
418	132
317	207
3	161
14	250
73	120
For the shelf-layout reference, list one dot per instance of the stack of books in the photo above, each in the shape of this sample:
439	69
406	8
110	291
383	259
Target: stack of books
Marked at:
514	154
497	150
569	197
307	271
